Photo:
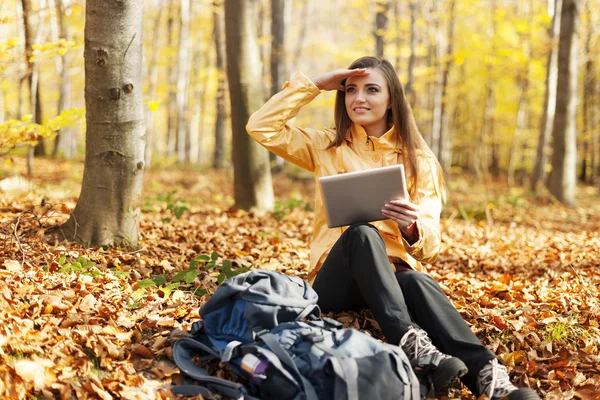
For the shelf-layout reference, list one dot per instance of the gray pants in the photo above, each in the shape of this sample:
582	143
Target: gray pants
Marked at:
357	274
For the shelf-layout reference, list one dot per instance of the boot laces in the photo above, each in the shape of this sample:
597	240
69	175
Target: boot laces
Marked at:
417	344
494	381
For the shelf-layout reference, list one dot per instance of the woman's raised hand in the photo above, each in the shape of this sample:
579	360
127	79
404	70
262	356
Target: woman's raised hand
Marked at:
333	80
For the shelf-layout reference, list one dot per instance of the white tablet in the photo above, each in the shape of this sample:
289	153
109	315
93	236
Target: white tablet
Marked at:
360	196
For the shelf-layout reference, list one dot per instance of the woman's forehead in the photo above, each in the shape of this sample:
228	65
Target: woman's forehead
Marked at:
375	77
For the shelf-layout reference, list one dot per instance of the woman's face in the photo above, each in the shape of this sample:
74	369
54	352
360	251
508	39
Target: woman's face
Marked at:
368	100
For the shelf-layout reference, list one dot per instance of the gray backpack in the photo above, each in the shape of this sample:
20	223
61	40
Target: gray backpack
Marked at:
266	326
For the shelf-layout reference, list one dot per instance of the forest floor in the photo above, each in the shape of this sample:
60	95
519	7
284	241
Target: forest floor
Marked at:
81	322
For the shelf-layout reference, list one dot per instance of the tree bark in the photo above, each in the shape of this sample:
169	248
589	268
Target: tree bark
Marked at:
278	72
32	77
219	153
183	73
172	72
152	87
564	142
107	212
65	140
445	146
252	176
302	33
412	58
588	170
547	121
381	25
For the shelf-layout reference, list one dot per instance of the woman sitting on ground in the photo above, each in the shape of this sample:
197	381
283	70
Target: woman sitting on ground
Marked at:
378	266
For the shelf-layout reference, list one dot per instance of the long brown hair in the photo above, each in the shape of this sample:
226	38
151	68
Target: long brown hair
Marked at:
399	115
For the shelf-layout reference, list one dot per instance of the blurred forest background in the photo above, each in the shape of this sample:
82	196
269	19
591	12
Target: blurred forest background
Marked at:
481	75
506	93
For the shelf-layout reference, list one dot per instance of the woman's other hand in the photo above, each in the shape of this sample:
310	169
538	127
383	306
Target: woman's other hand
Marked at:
405	214
333	80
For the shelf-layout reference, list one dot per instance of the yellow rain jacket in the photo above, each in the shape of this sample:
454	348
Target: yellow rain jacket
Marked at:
307	148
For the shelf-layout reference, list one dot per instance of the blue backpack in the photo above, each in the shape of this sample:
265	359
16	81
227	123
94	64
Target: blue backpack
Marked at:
266	326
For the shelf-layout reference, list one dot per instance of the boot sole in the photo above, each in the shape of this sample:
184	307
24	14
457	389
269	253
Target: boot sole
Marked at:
449	370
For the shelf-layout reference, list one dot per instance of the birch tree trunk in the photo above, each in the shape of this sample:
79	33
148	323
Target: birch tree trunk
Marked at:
302	33
219	153
563	177
107	212
172	73
183	73
152	87
539	171
445	146
252	176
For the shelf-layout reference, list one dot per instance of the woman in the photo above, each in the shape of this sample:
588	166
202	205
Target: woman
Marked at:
378	265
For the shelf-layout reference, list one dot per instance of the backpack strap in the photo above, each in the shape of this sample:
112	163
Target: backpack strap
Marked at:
312	310
271	341
184	351
346	382
407	375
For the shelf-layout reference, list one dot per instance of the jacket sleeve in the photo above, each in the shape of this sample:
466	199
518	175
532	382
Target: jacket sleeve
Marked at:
429	198
269	125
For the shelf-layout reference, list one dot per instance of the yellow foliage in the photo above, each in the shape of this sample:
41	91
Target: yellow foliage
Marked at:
153	105
22	132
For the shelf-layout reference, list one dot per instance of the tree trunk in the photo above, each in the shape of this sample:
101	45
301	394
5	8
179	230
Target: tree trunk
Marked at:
32	77
219	154
522	82
65	140
278	72
410	82
252	175
302	33
152	87
172	72
107	212
183	73
381	25
588	104
564	141
1	105
445	146
547	121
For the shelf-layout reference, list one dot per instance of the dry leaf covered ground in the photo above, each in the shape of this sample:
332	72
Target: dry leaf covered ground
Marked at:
94	323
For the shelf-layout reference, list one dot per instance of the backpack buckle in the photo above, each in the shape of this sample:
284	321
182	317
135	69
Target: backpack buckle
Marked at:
258	331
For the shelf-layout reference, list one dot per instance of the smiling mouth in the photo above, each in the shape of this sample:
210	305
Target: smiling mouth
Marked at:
361	109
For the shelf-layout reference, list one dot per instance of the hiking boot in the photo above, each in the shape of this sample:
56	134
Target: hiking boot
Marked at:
494	382
432	367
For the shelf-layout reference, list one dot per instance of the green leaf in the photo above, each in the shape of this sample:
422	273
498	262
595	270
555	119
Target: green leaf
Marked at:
203	258
220	278
214	256
173	285
190	276
200	292
61	261
193	264
159	280
138	294
210	265
180	275
89	265
76	266
146	283
119	274
81	260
